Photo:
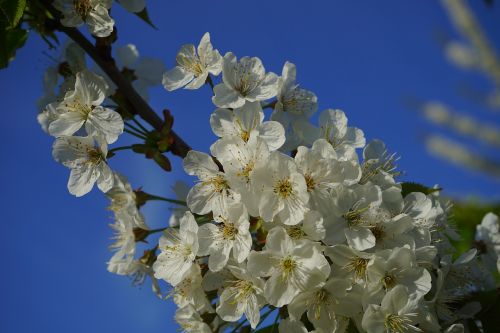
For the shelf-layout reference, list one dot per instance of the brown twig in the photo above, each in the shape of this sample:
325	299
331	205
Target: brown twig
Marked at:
141	107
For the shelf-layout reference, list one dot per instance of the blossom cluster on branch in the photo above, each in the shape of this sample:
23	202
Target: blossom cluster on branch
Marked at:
305	220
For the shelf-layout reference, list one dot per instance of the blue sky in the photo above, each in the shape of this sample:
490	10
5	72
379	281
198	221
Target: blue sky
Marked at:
363	57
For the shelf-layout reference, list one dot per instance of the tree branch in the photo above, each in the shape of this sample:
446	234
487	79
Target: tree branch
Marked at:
179	147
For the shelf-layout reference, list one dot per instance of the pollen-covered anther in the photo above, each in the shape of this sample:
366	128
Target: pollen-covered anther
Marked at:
287	265
397	324
218	182
310	182
228	231
283	188
358	266
295	232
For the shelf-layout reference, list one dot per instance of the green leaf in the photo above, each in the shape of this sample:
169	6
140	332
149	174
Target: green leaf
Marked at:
10	41
11	12
143	15
410	187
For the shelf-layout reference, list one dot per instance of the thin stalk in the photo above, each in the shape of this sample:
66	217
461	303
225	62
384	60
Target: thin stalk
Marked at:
174	201
140	106
140	136
138	130
140	125
119	148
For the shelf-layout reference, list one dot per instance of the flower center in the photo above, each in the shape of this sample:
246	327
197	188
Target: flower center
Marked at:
295	232
94	156
358	266
228	231
283	188
246	80
378	231
355	215
191	64
310	182
397	324
76	106
320	299
82	7
287	266
243	289
388	281
218	183
246	170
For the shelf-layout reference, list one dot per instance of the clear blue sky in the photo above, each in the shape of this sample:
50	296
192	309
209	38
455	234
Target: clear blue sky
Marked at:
364	57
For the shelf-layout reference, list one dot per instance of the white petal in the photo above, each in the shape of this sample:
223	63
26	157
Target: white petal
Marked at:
226	97
176	78
81	181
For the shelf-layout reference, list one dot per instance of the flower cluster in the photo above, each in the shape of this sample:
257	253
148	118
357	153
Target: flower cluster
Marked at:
299	221
285	214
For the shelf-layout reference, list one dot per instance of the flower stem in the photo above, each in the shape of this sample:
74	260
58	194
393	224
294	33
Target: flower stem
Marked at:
140	106
119	148
140	136
174	201
137	122
138	130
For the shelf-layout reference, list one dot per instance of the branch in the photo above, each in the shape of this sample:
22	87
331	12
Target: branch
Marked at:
179	147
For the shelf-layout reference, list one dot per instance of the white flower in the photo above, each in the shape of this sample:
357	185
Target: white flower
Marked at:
124	227
94	13
49	114
240	160
122	195
379	166
82	107
230	234
86	161
178	249
246	122
352	263
398	266
243	295
292	267
291	99
190	321
282	190
190	291
193	67
294	106
245	80
397	313
488	241
133	6
344	139
322	171
212	192
312	227
321	304
349	217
